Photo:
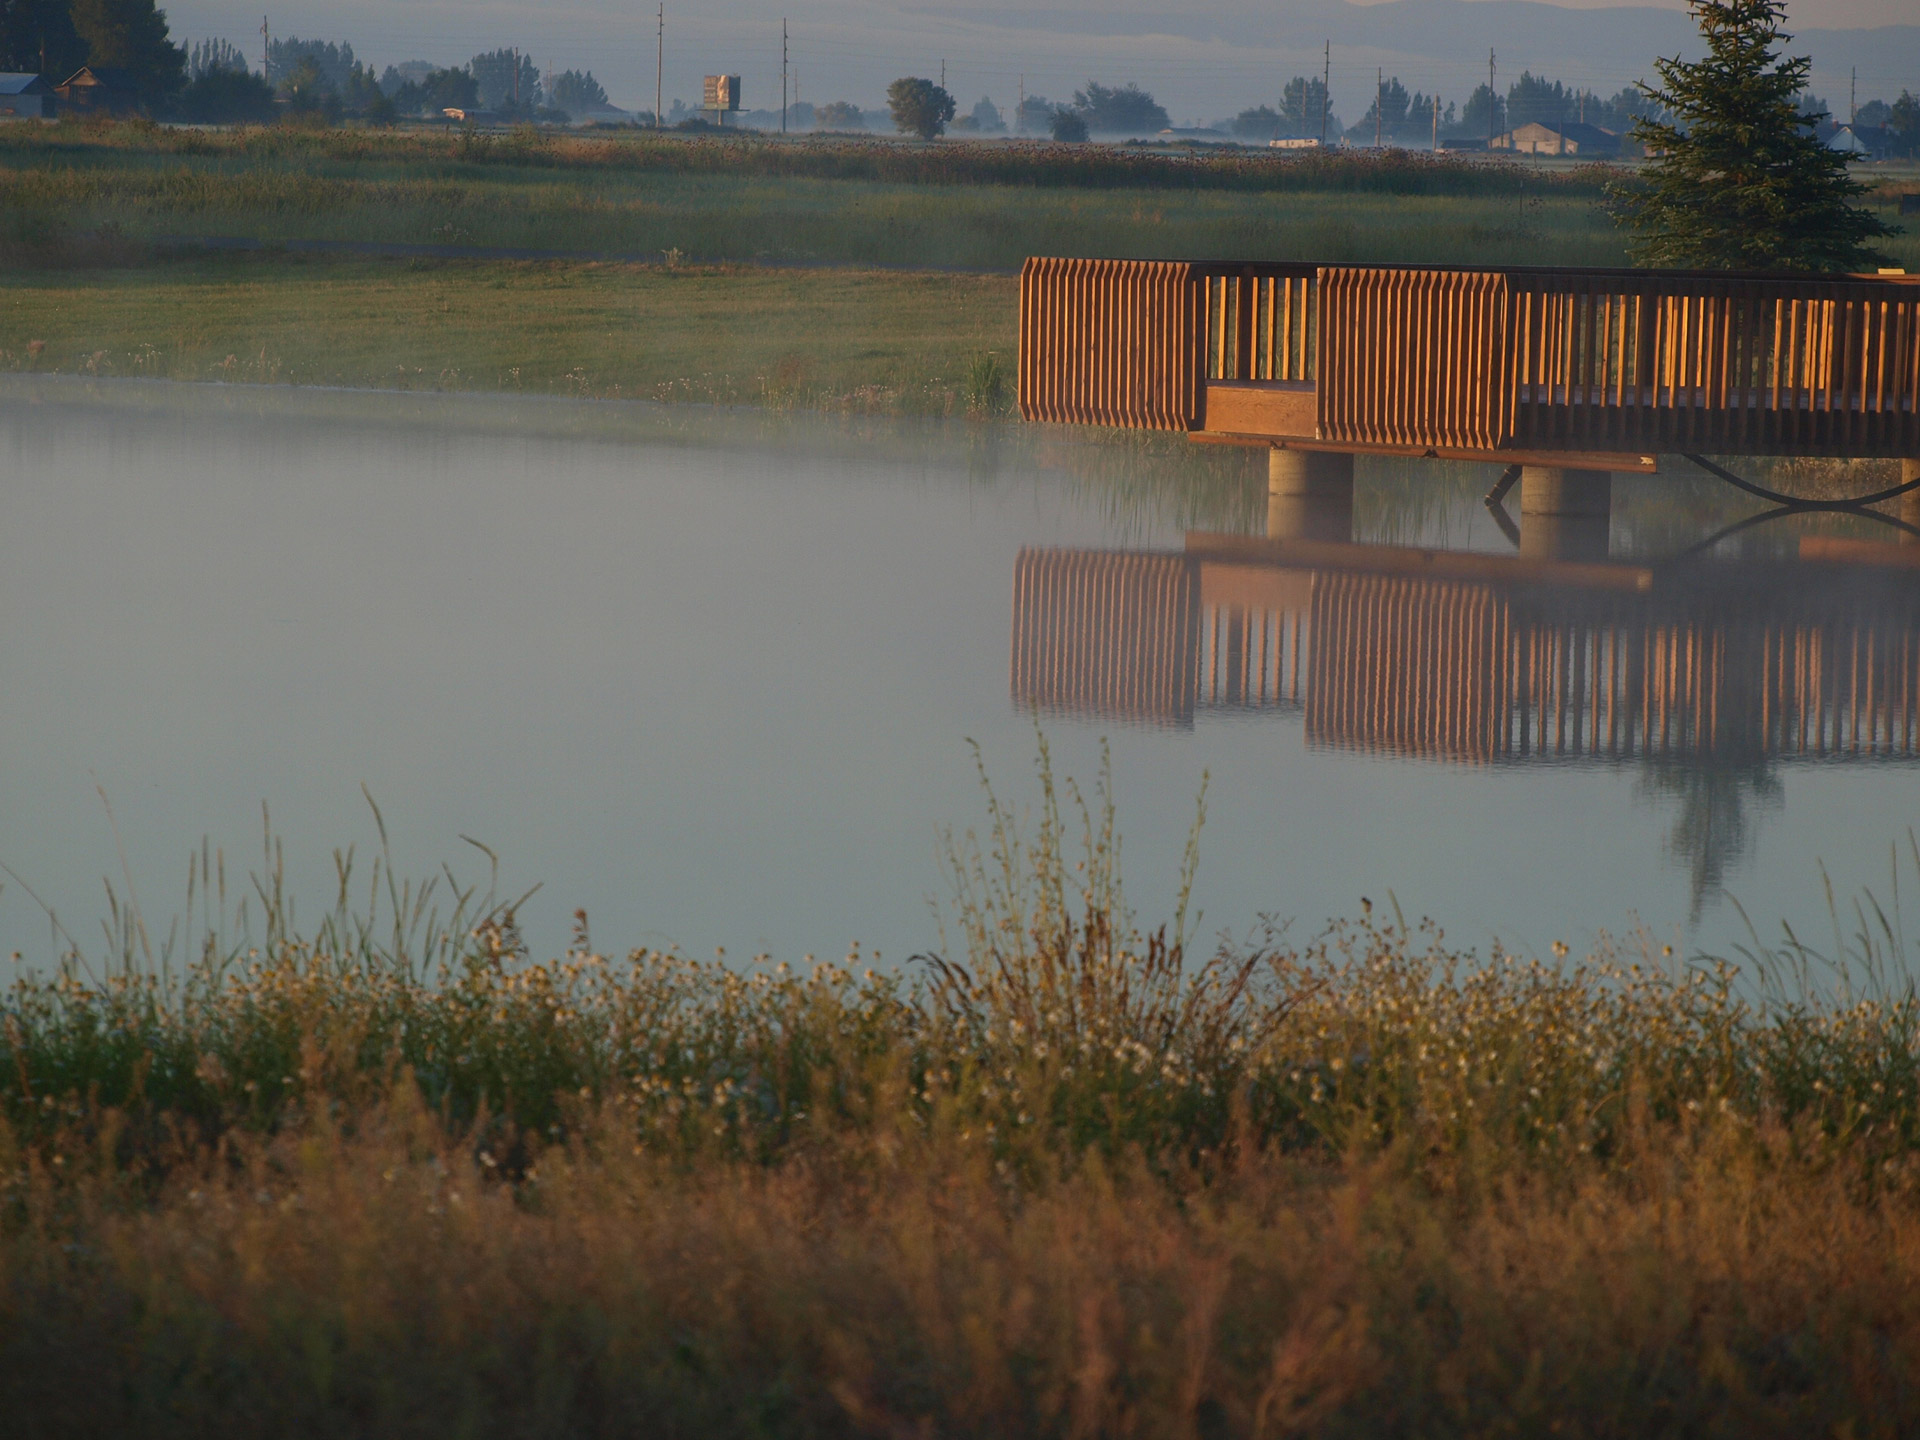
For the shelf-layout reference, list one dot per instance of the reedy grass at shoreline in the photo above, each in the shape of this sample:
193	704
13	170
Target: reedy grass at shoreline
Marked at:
74	198
70	192
395	1178
1028	163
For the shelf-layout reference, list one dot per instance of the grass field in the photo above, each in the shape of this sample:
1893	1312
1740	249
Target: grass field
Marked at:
92	219
639	212
395	1178
949	205
885	341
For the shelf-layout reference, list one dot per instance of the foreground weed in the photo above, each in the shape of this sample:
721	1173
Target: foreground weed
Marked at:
390	1175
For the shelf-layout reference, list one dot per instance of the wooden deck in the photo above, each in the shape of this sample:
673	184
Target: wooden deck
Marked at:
1602	367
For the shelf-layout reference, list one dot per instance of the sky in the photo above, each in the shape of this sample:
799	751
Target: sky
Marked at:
1204	60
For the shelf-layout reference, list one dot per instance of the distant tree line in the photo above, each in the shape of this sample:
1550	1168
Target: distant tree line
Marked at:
1396	116
983	119
1096	110
324	80
214	80
57	37
1900	119
839	115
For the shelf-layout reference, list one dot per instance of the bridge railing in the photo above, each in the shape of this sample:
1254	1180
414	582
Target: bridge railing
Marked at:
1111	342
1706	361
1262	320
1415	358
1421	356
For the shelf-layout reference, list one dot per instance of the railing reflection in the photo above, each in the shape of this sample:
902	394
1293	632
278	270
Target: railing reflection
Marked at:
1106	632
1500	660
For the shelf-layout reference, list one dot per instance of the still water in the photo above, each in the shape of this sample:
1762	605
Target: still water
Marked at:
713	678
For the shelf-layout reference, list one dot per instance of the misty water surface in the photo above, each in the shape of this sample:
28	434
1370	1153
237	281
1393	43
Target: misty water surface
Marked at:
713	678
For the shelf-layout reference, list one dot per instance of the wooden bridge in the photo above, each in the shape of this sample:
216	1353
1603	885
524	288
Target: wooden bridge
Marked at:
1484	658
1585	370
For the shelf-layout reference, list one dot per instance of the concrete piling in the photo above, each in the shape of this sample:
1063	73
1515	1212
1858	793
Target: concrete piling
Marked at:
1309	495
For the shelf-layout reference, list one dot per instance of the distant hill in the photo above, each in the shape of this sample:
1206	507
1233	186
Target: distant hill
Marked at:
1201	58
1603	49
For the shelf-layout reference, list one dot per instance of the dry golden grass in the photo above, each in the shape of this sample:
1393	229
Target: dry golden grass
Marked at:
376	1279
394	1178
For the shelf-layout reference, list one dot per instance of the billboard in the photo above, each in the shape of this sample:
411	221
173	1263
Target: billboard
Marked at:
721	92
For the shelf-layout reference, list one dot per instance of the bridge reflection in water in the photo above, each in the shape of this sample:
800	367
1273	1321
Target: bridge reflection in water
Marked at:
1704	675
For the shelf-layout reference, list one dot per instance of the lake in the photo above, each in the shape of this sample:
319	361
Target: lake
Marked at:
714	677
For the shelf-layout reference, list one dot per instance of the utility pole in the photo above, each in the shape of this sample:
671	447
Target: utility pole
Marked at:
943	74
659	61
1853	88
783	77
1020	110
516	77
1326	78
1379	91
1493	102
263	47
1436	122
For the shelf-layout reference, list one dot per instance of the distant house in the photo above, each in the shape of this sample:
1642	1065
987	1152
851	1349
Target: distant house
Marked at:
1567	139
1312	142
92	90
1862	142
26	97
470	115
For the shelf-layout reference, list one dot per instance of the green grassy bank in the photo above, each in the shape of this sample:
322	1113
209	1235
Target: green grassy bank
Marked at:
972	206
884	341
97	280
393	1177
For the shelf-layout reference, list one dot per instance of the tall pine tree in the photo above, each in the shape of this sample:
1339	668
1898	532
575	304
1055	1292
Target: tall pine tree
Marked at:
1737	179
131	36
37	36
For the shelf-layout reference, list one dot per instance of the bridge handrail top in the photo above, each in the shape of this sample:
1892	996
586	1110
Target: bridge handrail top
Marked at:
1310	268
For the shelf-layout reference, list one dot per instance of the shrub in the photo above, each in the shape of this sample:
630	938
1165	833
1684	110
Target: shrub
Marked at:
220	96
575	92
839	115
1068	125
1120	110
919	107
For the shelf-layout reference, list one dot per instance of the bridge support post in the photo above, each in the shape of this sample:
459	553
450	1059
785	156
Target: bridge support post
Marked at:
1564	514
1309	495
1910	502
